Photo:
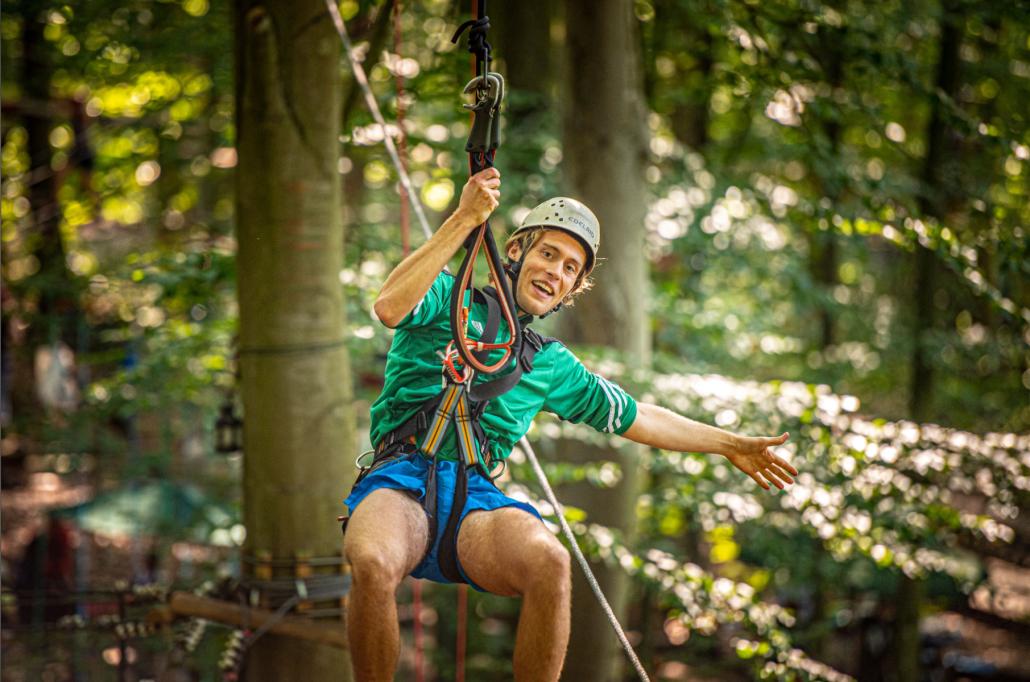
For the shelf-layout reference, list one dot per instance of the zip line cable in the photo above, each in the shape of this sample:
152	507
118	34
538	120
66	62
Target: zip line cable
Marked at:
559	511
370	101
373	107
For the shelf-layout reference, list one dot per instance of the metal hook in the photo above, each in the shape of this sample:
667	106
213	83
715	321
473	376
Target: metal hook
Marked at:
489	91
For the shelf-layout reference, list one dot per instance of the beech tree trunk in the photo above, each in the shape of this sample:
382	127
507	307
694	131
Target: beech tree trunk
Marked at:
605	149
823	244
299	430
939	189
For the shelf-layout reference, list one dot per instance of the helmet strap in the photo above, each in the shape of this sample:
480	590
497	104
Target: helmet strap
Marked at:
553	310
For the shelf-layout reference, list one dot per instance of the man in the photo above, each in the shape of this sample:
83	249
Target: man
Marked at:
501	544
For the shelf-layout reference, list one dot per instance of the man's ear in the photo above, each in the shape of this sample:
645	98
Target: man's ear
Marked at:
514	252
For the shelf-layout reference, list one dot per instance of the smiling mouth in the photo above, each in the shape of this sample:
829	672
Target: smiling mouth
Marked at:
543	289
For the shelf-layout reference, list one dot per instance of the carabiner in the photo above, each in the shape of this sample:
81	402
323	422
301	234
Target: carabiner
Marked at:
486	129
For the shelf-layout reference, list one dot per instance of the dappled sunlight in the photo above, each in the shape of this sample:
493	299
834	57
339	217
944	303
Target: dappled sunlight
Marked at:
870	487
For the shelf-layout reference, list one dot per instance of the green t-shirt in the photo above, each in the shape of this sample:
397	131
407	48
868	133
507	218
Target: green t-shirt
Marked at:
559	383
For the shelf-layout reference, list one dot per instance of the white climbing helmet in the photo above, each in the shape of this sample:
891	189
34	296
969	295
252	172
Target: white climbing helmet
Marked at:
570	216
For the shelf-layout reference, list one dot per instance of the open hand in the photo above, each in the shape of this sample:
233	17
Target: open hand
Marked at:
753	457
481	195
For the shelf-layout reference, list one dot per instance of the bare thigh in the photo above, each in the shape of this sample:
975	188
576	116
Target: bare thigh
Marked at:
505	549
390	529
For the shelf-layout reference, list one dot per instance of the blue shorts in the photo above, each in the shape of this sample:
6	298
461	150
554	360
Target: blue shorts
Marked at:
409	473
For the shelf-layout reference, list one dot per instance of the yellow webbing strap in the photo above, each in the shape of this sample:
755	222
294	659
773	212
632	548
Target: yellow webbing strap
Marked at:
431	443
454	407
463	427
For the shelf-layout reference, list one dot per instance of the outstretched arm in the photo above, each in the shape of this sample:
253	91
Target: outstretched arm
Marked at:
660	428
411	279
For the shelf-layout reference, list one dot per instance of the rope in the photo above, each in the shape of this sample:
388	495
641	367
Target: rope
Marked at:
370	100
416	607
373	107
567	531
460	635
402	137
293	590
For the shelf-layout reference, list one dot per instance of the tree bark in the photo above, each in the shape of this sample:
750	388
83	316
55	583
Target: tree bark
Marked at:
524	44
525	52
604	151
823	244
677	26
909	602
299	429
938	190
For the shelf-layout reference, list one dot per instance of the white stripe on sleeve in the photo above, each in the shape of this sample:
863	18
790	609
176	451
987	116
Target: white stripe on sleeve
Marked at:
617	392
612	404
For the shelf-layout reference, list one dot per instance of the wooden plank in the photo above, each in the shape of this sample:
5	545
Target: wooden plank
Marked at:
332	633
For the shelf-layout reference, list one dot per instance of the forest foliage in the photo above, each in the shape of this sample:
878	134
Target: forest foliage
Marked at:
836	228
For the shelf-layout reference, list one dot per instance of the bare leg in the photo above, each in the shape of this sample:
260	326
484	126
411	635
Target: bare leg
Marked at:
510	552
386	538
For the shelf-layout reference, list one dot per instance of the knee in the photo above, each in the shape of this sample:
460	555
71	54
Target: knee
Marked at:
550	570
372	569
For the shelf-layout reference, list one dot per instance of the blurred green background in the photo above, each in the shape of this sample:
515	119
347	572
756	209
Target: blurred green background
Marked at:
836	223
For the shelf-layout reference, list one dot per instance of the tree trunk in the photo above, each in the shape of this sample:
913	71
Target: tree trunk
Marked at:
299	430
524	50
676	27
823	244
54	284
604	146
909	601
938	190
524	44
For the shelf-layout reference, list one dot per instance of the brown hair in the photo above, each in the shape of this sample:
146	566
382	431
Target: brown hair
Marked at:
527	239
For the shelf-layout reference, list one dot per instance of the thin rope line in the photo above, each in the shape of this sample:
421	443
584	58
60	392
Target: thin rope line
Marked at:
402	136
567	531
373	106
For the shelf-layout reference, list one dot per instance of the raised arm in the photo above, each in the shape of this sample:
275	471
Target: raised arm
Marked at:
660	428
411	279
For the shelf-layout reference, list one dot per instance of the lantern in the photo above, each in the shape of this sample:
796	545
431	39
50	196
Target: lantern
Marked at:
228	430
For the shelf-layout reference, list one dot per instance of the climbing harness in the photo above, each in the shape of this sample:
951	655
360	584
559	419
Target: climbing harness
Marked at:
403	440
422	434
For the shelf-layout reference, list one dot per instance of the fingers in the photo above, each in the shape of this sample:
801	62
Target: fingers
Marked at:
783	464
760	481
772	469
482	194
488	173
777	476
778	440
489	180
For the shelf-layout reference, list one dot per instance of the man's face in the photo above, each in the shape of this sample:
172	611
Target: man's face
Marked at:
549	272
